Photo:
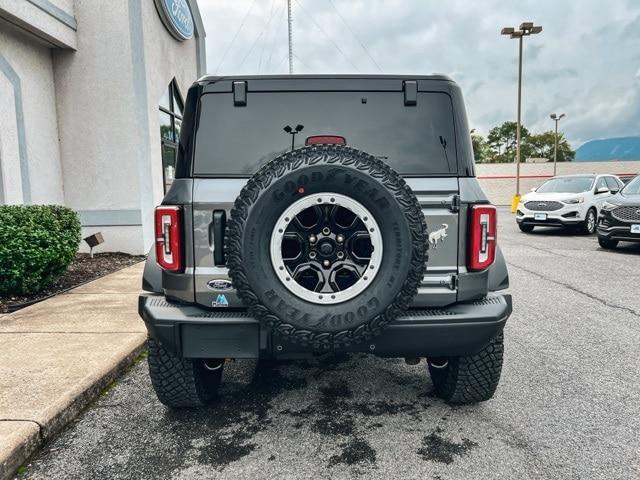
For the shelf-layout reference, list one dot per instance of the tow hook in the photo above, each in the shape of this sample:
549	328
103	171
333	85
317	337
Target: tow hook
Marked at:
213	364
438	362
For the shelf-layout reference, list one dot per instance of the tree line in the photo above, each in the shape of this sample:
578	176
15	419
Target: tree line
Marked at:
500	145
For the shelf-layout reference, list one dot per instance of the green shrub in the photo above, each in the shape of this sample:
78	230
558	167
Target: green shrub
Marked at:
37	244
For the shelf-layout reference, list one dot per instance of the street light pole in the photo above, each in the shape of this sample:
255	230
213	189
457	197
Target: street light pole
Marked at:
519	122
526	28
555	118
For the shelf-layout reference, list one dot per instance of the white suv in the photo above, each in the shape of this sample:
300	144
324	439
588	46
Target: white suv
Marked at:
567	201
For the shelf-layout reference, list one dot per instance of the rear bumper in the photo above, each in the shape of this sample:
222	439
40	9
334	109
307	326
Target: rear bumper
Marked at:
193	332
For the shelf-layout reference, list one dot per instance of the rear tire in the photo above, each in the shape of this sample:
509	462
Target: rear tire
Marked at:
588	227
525	228
469	379
181	382
607	244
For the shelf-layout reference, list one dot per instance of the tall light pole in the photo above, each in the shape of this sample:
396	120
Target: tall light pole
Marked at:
556	118
526	28
290	21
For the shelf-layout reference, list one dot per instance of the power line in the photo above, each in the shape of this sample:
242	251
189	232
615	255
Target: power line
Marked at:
366	50
282	61
264	44
302	62
235	36
250	49
273	44
327	35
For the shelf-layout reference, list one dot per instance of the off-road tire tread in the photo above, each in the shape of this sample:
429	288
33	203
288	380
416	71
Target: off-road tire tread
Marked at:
180	382
326	155
473	378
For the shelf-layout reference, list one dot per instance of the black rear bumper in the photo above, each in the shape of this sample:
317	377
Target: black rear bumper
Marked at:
193	332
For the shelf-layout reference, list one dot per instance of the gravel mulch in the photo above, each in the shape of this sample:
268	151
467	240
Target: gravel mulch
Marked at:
82	270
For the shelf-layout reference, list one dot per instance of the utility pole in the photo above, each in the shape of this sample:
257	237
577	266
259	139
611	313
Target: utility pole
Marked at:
526	28
556	118
290	21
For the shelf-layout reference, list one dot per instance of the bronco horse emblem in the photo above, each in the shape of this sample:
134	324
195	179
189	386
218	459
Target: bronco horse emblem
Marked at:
438	235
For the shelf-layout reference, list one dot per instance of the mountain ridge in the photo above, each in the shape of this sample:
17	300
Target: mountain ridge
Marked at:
614	148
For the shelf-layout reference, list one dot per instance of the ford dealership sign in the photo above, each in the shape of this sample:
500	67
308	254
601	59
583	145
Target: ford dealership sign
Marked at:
176	16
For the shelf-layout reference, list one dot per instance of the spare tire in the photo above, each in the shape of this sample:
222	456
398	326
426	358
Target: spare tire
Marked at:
326	245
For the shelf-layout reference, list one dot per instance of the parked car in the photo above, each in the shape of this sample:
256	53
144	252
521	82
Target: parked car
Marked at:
271	243
626	178
620	217
567	201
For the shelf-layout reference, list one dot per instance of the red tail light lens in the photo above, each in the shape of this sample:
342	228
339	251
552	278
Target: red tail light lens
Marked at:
168	222
483	230
326	140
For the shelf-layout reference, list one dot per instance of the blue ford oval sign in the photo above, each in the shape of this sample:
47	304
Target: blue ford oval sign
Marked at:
176	16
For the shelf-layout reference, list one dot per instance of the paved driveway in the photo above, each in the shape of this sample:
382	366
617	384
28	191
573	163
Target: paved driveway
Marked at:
568	405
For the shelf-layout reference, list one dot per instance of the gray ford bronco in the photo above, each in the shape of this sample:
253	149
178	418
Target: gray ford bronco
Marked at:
320	214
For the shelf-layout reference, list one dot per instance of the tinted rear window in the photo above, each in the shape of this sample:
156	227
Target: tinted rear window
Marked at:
414	140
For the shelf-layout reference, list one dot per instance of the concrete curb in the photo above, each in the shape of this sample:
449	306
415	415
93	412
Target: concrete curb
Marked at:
58	355
24	446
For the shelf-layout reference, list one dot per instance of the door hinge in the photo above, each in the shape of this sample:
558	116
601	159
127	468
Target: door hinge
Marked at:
455	203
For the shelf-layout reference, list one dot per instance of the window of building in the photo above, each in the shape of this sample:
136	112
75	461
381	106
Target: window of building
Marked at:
170	119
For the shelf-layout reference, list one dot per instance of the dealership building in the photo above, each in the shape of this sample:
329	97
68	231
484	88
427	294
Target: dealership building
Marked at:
91	98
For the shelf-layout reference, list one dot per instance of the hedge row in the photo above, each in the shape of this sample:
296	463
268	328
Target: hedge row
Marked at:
37	244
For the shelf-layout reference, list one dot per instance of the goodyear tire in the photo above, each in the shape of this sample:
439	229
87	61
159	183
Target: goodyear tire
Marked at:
326	245
469	379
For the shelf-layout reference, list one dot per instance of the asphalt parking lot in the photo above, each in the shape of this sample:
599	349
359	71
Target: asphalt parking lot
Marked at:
568	405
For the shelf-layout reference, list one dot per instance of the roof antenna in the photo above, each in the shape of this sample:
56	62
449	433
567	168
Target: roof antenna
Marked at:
290	21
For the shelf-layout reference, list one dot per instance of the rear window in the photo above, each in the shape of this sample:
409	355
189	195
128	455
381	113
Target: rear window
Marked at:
414	140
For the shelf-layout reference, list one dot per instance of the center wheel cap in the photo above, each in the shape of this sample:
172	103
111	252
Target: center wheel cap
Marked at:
326	248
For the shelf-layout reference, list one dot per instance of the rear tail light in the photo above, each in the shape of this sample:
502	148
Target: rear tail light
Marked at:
483	230
325	140
168	237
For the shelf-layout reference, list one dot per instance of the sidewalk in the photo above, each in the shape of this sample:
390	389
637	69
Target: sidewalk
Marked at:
57	355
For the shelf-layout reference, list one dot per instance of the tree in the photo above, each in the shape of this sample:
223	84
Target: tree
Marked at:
541	145
482	152
502	140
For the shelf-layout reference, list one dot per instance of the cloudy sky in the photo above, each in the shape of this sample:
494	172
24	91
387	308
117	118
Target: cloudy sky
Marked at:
586	62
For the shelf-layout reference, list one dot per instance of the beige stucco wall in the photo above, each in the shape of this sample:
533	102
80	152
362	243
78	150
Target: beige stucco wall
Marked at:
52	21
501	190
108	96
29	59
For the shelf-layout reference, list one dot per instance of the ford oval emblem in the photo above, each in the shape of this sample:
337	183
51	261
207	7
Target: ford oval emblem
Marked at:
176	16
219	285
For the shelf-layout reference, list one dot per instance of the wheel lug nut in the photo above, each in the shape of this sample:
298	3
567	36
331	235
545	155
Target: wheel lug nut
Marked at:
326	263
312	255
340	238
312	239
326	230
340	255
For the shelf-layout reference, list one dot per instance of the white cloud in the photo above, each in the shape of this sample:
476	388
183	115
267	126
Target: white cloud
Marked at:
583	64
